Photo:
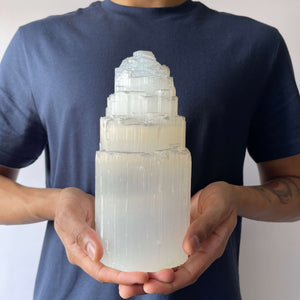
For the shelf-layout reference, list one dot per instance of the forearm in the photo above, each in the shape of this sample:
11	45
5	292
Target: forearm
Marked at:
20	204
277	200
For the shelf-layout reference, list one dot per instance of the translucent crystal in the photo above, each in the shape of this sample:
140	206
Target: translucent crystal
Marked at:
143	170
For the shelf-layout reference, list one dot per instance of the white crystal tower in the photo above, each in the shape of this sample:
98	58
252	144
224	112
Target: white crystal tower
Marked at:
143	170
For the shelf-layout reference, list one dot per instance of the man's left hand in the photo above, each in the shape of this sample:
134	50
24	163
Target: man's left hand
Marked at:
213	219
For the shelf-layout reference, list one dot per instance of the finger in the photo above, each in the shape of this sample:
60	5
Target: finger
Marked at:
88	240
194	205
202	227
103	273
77	248
216	243
166	275
197	263
74	230
127	278
127	291
184	276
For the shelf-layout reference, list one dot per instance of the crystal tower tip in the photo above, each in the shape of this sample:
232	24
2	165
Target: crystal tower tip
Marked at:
143	73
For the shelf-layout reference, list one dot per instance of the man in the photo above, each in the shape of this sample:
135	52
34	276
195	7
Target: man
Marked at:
236	88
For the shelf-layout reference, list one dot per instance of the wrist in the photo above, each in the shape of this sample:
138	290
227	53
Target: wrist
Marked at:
231	193
250	203
41	203
237	195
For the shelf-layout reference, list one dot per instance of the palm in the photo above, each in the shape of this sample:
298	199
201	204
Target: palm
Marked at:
213	219
74	223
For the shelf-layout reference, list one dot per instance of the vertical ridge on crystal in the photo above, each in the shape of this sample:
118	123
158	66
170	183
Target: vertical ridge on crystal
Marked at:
143	170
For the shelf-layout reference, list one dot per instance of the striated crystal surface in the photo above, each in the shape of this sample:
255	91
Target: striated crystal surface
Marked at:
143	170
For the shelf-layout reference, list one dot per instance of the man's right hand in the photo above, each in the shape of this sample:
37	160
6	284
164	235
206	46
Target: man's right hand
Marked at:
73	213
74	224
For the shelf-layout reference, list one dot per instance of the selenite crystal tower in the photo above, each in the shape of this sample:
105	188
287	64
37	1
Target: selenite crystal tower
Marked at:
143	170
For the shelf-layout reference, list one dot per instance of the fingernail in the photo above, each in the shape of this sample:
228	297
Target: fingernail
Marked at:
90	248
195	242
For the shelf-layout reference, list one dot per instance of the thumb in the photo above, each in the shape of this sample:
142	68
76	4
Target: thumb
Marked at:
73	230
89	241
200	229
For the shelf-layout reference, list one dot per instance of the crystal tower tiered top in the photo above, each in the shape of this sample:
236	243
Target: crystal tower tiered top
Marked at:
144	95
143	170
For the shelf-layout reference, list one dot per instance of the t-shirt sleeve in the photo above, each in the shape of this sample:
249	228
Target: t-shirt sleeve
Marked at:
22	136
275	128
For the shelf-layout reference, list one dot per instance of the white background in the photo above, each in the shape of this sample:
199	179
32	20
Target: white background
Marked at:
270	253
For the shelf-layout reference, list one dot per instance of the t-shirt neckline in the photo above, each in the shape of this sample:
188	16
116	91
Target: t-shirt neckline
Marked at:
177	9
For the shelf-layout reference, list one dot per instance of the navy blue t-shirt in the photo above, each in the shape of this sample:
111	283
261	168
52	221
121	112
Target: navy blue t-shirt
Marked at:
236	88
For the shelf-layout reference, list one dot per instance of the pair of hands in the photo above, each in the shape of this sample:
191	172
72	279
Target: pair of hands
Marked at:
213	218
